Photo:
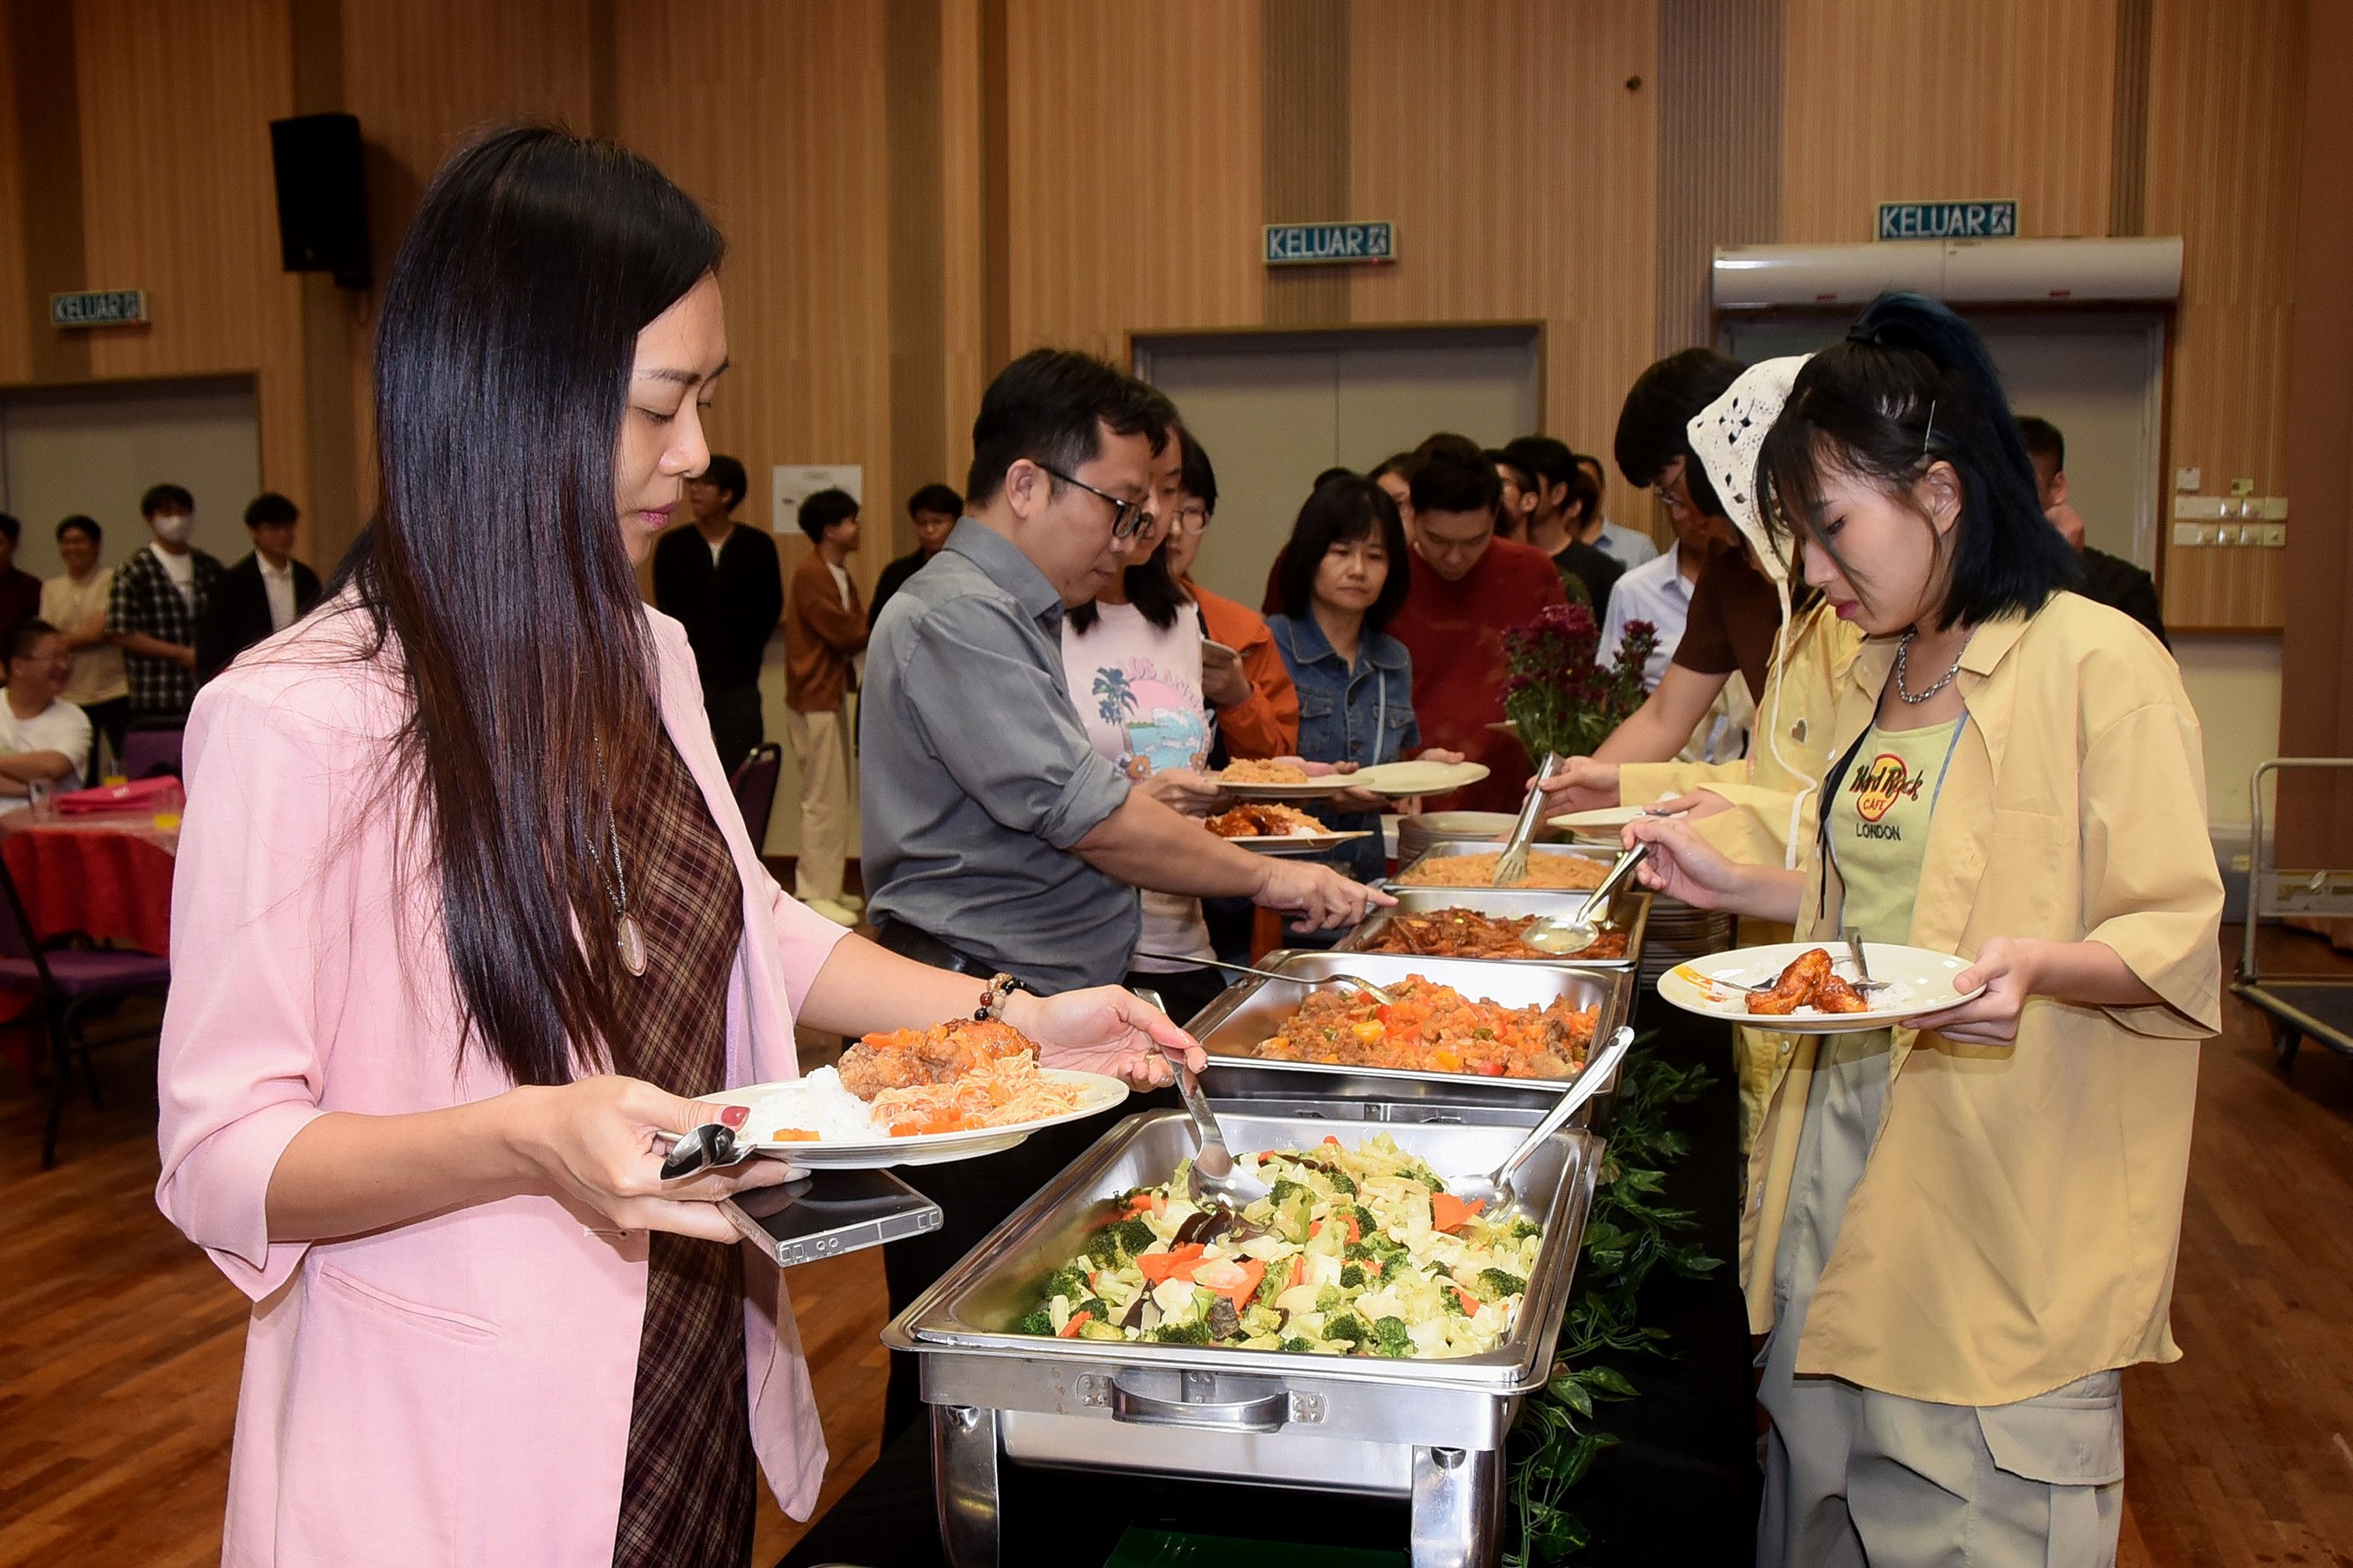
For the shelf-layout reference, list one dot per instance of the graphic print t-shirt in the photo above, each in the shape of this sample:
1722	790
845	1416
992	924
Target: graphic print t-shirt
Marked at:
1138	690
1879	824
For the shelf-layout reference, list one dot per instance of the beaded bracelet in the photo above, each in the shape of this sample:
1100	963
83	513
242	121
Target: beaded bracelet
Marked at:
992	996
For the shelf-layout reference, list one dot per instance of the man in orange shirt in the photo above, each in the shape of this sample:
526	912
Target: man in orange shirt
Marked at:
1243	678
825	631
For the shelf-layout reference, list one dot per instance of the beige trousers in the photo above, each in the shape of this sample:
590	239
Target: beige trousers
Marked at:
821	744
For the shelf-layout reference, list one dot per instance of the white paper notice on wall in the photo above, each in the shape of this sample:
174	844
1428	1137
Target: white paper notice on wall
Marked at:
793	483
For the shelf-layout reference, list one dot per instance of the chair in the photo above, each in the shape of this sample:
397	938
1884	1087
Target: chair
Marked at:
147	752
755	783
68	983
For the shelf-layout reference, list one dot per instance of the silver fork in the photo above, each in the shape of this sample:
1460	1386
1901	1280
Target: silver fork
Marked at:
1866	985
1512	863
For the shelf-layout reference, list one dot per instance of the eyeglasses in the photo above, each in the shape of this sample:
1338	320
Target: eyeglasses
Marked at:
1127	518
1196	515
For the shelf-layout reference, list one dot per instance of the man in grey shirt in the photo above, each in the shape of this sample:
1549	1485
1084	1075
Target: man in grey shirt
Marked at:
994	836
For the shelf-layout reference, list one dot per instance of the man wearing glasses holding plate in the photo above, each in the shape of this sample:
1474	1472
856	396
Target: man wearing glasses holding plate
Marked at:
995	838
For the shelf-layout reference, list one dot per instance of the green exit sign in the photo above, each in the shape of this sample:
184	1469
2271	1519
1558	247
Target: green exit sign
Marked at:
98	307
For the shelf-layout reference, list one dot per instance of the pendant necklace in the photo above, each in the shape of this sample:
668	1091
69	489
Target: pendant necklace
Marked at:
1903	649
630	937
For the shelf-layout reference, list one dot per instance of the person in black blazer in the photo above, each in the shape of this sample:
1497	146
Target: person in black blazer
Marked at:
265	593
722	581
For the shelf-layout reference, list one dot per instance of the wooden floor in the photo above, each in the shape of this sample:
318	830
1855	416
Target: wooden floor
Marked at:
120	1344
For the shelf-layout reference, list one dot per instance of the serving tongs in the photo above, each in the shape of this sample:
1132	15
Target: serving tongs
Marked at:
1212	1179
1512	863
1493	1190
1367	986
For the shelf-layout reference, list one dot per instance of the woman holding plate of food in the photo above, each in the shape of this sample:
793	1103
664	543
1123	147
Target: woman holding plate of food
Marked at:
1958	1231
467	921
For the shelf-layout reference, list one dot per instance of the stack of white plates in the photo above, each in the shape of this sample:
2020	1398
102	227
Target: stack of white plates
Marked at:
1678	932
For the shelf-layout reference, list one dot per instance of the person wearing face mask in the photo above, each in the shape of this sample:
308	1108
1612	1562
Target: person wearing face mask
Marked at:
159	600
466	929
1958	1233
75	602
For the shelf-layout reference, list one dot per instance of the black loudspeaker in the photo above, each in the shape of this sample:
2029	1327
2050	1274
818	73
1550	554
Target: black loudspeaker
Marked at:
321	199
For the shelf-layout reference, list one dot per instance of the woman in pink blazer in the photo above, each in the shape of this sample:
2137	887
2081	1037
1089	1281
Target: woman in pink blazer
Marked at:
455	846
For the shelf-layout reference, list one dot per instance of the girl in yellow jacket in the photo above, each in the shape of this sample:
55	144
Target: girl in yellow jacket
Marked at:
1957	1233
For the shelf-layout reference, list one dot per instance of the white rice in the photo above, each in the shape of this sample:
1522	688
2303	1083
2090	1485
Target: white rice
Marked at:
817	1104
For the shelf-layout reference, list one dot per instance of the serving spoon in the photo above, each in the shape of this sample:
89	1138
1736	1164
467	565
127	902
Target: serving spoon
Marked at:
1367	986
1582	928
1494	1188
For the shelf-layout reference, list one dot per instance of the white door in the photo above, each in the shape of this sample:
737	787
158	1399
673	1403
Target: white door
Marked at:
1275	409
95	448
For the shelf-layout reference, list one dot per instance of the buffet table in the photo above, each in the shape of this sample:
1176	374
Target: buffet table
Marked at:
1681	1486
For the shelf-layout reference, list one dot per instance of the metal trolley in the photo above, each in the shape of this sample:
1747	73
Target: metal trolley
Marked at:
2319	1006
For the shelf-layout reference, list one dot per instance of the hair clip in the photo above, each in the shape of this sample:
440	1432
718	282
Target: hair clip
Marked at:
1931	431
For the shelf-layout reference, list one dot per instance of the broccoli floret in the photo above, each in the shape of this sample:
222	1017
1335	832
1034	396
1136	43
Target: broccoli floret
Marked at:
1092	1306
1104	1249
1432	1180
1296	1343
1352	1277
1283	1187
1453	1298
1365	1224
1390	1338
1348	1327
1071	1284
1357	1251
1342	1183
1192	1333
1038	1322
1502	1284
1134	1235
1524	1228
1330	1300
1271	1286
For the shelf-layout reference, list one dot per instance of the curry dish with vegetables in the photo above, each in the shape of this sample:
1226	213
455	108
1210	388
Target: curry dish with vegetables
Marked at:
1430	1027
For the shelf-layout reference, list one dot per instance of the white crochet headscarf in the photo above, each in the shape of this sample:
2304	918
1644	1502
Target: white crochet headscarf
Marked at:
1726	434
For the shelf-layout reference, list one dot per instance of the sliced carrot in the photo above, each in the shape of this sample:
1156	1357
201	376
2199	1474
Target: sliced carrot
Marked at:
1355	1229
1078	1321
1175	1264
1299	1271
1253	1275
1315	1230
1448	1211
1469	1302
1143	1201
1328	1138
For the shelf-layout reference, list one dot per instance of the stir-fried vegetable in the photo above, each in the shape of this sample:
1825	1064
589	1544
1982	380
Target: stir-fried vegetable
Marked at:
1353	1252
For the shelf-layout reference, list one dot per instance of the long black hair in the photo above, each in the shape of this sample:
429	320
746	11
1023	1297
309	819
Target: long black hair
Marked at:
1340	511
1150	585
494	573
1913	386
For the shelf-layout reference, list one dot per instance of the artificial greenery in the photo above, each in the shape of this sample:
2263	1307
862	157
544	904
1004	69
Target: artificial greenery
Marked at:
1628	1233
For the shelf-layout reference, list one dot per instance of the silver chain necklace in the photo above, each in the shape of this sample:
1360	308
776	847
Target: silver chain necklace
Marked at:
630	936
1902	655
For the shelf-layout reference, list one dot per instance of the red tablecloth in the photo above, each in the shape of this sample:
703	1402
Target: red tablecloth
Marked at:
108	877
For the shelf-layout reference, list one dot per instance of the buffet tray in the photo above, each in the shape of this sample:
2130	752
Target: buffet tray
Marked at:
1251	1010
1453	848
1629	912
1466	1401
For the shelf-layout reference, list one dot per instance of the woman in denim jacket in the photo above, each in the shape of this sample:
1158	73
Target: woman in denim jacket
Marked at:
1342	578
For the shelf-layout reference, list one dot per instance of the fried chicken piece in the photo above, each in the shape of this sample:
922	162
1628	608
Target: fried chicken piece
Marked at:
910	1059
1835	996
882	1061
1797	984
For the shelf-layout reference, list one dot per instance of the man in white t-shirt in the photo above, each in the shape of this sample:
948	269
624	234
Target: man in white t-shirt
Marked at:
44	740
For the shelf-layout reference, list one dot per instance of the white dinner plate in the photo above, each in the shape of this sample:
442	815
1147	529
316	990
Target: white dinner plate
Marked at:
1097	1093
1400	780
1320	787
1297	843
1918	981
1602	822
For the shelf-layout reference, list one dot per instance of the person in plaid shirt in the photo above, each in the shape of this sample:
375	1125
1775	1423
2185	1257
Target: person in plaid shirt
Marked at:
160	595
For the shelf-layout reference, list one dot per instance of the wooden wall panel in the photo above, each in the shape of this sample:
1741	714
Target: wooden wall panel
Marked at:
1892	99
1135	197
1720	94
17	325
795	173
1521	173
183	204
2226	93
964	310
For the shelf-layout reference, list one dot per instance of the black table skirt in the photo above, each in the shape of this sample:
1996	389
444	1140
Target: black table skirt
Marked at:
1682	1486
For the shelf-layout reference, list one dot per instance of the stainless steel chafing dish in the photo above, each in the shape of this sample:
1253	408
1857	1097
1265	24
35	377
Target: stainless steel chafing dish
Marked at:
1629	912
1455	849
1230	1029
1431	1431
